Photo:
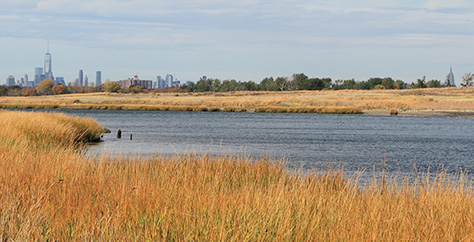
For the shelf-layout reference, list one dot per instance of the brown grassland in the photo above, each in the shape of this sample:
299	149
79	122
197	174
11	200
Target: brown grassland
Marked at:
429	100
51	191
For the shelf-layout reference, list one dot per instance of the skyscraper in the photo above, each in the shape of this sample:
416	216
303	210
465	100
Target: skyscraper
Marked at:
25	80
48	71
169	80
86	81
10	81
451	77
39	76
158	82
80	78
98	78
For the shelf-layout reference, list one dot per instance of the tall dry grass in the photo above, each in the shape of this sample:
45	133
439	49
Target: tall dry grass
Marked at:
59	194
456	99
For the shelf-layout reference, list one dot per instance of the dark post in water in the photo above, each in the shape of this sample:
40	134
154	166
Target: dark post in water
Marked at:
119	134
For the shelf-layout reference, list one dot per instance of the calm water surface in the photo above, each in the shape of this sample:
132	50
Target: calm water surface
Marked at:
357	142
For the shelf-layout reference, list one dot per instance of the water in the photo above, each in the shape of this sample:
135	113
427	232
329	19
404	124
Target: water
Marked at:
357	142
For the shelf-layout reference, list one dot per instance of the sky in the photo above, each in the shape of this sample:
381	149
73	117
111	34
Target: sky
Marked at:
242	40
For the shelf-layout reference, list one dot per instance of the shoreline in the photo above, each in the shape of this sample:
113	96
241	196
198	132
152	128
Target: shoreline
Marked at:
376	112
51	191
422	113
443	102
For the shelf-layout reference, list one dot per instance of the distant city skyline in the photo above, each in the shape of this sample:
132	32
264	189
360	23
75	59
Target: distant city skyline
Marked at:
81	79
244	40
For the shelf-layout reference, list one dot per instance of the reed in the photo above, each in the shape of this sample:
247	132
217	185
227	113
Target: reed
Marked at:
453	99
318	110
57	193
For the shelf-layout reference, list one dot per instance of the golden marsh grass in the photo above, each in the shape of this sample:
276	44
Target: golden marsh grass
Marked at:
54	193
352	101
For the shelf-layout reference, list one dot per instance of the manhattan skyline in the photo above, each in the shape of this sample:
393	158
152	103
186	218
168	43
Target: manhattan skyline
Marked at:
248	40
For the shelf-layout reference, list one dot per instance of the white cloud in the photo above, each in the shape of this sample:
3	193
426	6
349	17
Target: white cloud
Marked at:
437	4
229	33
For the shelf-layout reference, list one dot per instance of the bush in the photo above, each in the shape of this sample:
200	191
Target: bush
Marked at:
379	87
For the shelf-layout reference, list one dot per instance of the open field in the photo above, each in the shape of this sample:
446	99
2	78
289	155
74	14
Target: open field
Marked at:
429	101
50	191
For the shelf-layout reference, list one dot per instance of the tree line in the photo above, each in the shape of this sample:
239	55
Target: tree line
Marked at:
295	82
303	82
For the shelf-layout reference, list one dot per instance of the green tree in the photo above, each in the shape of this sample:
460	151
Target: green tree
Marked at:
228	86
3	90
113	86
282	83
250	86
327	82
349	84
45	87
215	85
311	84
420	83
374	82
192	87
344	84
204	85
297	81
364	85
467	80
268	84
388	83
399	84
433	83
136	89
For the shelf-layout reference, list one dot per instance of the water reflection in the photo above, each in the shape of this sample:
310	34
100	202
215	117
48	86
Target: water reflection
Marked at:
403	144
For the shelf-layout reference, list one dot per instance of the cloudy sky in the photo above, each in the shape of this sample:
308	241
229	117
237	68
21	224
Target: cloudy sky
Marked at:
242	40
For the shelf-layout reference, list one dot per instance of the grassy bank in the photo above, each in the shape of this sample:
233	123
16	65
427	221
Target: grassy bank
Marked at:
52	192
343	101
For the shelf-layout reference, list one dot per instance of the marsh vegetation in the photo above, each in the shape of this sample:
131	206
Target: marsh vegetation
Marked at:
50	191
330	101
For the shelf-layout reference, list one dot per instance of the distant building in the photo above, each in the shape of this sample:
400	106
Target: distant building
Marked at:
98	78
147	84
161	83
176	84
158	82
39	76
169	80
10	81
38	71
48	68
25	81
86	81
80	78
60	80
451	80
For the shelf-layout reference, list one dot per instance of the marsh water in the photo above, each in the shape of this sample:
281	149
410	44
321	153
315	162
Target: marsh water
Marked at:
307	141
